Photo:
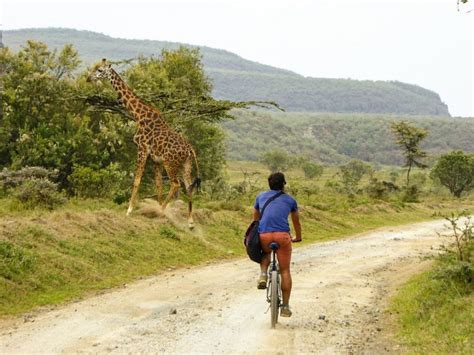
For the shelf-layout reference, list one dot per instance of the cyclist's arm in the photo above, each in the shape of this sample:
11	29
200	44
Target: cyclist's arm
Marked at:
256	214
295	218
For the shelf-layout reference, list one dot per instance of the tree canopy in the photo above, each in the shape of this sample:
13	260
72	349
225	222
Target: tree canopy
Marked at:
455	171
409	137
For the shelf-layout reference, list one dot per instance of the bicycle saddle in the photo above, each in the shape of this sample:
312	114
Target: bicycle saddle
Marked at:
274	245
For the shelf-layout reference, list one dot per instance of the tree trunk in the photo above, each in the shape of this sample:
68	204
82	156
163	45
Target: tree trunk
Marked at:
408	176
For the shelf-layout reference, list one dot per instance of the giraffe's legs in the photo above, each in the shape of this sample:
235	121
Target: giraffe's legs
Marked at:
158	182
174	186
136	182
187	170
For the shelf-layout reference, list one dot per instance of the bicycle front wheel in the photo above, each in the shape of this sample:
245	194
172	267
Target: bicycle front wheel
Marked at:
274	299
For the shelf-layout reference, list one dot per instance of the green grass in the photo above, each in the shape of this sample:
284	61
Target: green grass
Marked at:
435	314
49	257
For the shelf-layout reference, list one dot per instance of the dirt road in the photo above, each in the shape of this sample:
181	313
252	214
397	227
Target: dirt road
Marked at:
337	301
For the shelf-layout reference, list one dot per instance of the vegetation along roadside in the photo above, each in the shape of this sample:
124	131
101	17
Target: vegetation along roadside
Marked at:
434	311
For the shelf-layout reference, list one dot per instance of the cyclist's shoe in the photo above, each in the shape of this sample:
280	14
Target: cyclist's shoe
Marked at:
262	282
285	311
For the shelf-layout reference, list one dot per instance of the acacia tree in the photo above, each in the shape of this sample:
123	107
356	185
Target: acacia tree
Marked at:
455	171
409	138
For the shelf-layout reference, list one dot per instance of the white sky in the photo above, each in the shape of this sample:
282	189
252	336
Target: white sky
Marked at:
423	42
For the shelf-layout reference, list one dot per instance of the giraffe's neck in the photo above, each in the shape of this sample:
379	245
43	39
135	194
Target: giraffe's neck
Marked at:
131	101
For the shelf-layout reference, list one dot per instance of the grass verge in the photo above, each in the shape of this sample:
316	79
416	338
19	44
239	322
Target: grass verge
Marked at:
434	311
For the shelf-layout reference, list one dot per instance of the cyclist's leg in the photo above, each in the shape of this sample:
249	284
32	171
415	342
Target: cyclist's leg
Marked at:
264	264
265	240
284	260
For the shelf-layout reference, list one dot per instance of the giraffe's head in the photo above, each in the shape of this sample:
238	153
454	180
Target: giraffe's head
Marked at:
102	70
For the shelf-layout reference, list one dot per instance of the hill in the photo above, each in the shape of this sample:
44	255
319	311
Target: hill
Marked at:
336	138
236	78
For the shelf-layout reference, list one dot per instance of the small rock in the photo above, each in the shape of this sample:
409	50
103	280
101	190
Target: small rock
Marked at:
173	311
322	317
379	329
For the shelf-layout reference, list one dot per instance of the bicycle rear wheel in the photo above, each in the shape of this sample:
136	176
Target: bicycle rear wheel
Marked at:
274	299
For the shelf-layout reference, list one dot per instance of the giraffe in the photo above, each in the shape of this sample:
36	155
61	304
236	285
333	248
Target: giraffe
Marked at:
155	139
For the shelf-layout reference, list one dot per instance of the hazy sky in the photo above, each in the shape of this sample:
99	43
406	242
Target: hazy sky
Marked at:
423	42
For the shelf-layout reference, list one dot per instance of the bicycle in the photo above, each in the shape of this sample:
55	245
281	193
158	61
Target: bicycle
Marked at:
274	296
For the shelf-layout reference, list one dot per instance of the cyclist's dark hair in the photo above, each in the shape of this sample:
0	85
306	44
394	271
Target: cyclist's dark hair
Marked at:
276	181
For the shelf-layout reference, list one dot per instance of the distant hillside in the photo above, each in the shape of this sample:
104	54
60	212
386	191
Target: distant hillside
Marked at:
236	78
336	138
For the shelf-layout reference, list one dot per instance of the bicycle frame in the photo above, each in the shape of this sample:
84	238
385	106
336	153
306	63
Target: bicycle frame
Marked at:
274	294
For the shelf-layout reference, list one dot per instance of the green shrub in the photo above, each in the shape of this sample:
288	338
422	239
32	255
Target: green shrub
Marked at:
376	189
312	170
10	179
411	194
219	189
39	193
460	272
107	183
352	173
276	160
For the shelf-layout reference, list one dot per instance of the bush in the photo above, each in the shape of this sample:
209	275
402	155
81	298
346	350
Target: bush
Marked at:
10	179
462	235
377	189
351	174
39	193
457	271
107	183
312	170
276	160
411	194
219	189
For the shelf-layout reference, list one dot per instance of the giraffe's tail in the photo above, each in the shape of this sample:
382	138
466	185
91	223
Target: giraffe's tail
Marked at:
196	184
197	181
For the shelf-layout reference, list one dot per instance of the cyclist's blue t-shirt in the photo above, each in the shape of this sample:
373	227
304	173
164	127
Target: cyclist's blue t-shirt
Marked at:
275	218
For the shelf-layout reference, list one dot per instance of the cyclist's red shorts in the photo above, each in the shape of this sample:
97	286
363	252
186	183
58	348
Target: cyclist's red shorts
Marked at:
284	252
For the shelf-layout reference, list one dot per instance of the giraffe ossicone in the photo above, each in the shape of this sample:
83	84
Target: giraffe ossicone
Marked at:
154	138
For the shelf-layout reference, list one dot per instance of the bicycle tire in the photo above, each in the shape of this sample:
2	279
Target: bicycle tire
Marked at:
274	299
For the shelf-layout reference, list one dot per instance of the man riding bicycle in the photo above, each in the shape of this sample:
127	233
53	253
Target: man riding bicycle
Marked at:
274	227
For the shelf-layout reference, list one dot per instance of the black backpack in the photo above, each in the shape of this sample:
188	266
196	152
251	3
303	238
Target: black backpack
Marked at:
252	237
